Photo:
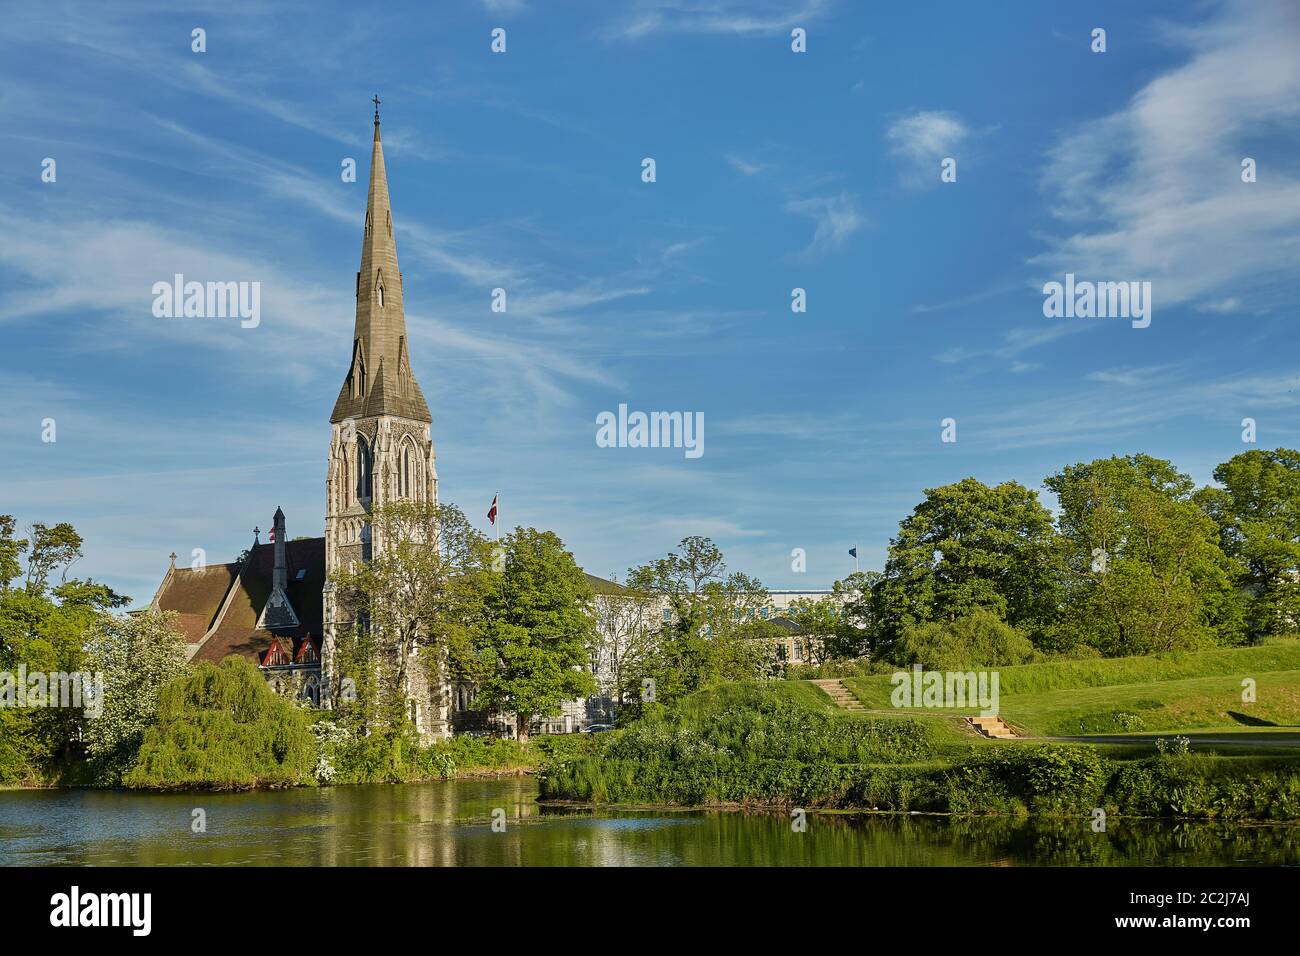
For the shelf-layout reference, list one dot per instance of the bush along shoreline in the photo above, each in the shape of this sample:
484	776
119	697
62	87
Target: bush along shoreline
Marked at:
757	750
756	745
223	728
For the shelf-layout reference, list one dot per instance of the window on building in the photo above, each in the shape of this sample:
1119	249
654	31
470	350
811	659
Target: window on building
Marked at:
358	369
798	651
668	614
365	465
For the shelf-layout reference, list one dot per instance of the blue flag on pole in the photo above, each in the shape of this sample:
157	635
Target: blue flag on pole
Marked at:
853	552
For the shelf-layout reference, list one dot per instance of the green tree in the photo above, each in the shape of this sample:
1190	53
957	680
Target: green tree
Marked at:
713	631
966	546
11	551
42	629
1143	567
818	620
627	626
976	640
532	643
846	623
1258	515
52	547
418	593
135	656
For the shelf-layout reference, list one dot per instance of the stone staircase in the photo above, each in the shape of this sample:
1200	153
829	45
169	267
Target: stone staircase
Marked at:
843	697
992	727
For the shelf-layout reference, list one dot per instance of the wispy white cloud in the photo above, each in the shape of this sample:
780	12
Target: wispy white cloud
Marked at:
1154	189
746	167
1221	306
1091	414
1014	342
1131	376
919	142
836	218
738	17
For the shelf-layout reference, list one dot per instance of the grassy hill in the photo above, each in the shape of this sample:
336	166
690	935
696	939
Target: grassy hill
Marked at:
1169	692
786	744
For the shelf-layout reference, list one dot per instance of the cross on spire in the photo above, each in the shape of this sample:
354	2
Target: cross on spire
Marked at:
376	101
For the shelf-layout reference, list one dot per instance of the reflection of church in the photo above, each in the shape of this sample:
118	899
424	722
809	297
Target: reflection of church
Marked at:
274	605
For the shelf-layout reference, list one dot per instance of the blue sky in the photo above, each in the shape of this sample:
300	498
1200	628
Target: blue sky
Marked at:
522	170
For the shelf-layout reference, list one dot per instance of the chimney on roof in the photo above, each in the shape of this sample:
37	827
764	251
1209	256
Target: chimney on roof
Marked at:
278	613
280	578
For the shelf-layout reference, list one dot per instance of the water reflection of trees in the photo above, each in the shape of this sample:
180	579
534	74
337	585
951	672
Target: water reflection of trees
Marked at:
724	838
450	824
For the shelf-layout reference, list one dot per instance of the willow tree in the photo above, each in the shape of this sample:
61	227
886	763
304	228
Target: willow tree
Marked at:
223	727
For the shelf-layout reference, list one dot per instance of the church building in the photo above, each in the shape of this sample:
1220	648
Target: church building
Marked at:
275	605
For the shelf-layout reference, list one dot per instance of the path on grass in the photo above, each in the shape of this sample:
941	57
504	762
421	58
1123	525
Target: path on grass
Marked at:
1253	740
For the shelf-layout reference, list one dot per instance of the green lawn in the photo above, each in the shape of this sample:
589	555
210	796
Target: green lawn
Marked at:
1189	691
785	743
1199	702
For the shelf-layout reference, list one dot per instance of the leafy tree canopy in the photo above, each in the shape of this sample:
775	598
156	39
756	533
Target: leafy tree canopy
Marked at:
966	546
531	645
1143	570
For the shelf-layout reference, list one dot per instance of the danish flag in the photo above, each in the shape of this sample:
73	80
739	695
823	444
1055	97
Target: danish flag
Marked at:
492	512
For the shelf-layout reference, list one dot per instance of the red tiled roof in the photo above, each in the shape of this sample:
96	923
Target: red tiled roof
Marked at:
237	631
191	626
198	597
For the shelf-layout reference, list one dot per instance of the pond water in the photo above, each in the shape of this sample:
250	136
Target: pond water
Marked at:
450	823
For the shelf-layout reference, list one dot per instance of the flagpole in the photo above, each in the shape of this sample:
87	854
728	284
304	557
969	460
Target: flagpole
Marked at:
497	523
855	557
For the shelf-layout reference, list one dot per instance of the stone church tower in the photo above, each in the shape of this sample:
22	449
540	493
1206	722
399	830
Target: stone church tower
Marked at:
380	448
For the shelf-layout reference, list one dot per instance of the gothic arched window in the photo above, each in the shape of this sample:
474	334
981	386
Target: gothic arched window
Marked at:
365	466
345	488
406	472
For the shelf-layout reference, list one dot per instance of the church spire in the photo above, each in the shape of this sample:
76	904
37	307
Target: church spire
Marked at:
379	379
